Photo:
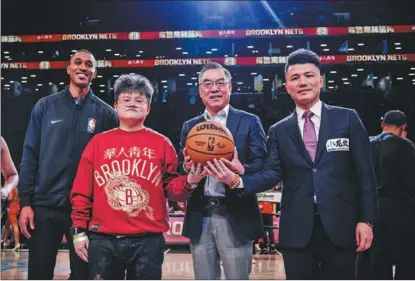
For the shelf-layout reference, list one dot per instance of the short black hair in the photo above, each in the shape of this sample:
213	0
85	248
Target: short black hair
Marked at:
133	83
302	56
394	117
86	51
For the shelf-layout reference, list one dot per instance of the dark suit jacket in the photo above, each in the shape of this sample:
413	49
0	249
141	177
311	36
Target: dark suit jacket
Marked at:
244	215
342	177
394	162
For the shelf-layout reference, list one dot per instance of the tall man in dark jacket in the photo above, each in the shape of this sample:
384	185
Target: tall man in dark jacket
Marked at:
60	127
394	161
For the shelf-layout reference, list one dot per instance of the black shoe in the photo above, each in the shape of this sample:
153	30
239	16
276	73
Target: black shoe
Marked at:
264	252
272	250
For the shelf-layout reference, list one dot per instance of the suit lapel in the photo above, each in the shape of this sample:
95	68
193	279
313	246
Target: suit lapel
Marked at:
200	119
324	131
295	134
232	122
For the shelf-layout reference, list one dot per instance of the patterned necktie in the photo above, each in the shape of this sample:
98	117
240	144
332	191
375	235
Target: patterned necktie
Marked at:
309	135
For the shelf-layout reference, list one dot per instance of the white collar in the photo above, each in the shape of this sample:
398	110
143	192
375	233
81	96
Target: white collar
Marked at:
315	109
222	114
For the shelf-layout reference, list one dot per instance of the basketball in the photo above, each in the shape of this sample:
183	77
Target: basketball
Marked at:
209	140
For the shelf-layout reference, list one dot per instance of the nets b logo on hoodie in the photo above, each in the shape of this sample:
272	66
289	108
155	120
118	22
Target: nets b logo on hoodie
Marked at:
91	125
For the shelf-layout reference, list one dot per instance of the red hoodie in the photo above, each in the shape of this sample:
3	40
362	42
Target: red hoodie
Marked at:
122	183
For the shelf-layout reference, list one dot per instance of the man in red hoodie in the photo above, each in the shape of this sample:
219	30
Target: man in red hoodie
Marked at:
119	195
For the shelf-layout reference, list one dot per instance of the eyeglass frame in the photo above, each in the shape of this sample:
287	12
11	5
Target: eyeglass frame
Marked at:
214	83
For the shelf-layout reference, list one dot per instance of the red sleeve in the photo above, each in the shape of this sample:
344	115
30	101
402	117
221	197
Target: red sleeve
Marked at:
175	185
83	188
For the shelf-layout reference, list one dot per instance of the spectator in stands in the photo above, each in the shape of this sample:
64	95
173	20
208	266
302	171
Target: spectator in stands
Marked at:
124	177
394	161
220	223
60	127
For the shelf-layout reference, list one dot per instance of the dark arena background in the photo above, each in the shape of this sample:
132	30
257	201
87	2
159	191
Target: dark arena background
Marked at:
367	50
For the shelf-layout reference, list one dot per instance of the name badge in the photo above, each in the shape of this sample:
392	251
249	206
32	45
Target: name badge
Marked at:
340	144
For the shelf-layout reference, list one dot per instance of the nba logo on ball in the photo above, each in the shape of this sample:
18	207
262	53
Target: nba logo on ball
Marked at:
209	140
91	125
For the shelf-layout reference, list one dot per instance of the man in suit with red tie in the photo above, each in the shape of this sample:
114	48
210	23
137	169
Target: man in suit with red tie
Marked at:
322	155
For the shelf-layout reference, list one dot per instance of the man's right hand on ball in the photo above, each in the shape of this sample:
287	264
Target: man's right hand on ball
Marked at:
188	163
235	165
26	217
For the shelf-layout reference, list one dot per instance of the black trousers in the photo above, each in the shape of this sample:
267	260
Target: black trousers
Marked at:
320	259
50	226
110	257
363	266
394	244
267	220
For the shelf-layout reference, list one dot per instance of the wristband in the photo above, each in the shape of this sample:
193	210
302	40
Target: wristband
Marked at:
79	239
79	235
235	182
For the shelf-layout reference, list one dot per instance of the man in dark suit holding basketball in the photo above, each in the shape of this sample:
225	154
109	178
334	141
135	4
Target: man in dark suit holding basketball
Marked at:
220	222
322	155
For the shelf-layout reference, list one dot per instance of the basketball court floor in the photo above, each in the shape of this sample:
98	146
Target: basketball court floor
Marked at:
177	265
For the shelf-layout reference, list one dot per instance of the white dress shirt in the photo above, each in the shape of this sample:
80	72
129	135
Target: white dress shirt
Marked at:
316	118
212	186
